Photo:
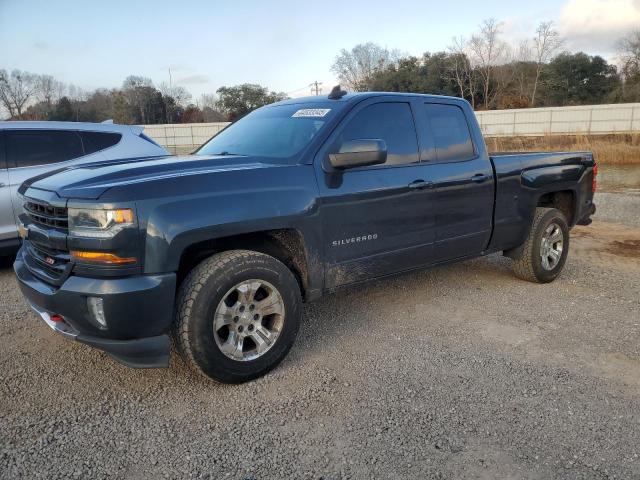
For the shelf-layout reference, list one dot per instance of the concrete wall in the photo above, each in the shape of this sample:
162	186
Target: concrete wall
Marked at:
591	119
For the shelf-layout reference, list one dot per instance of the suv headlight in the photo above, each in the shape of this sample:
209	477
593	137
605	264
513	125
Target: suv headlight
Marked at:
99	223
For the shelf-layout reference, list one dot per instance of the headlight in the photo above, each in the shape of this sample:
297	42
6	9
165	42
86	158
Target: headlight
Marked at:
99	223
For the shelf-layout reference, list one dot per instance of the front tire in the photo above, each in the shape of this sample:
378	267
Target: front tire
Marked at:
238	315
544	252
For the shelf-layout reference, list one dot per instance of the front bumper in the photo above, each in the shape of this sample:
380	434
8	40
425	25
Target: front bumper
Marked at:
138	312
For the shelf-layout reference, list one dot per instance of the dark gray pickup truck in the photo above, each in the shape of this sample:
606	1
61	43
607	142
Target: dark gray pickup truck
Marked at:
220	248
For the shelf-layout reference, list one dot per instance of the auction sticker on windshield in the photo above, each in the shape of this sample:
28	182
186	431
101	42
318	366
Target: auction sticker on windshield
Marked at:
312	112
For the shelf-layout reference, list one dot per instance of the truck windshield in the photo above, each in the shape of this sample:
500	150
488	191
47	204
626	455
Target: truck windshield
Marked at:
275	132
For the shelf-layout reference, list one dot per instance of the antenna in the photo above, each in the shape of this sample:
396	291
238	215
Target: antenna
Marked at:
337	93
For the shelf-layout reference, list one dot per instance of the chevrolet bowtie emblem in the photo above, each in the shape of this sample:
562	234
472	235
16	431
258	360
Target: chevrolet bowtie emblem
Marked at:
23	231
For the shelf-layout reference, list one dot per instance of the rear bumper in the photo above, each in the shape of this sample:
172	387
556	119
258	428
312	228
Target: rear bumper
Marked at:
138	312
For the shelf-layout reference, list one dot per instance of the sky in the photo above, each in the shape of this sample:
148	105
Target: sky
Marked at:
281	44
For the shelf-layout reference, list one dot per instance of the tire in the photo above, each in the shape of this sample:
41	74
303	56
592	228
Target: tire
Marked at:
530	264
221	296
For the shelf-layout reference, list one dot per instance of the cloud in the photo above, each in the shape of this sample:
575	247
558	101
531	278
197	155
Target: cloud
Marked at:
596	25
194	79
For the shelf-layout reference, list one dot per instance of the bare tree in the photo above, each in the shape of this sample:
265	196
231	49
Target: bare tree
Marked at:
629	54
177	92
545	44
521	61
16	90
208	100
49	89
487	50
356	67
462	72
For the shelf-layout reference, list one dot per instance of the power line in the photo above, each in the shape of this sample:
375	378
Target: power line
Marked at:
315	87
297	89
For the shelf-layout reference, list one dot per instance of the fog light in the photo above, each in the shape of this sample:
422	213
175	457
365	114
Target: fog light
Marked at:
96	308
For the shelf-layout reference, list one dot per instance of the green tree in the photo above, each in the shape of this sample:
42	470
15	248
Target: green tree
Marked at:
63	110
239	100
429	74
578	79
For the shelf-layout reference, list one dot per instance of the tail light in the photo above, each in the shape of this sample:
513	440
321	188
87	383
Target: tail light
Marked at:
594	182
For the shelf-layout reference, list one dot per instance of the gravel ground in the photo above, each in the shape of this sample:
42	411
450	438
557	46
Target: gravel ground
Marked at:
458	372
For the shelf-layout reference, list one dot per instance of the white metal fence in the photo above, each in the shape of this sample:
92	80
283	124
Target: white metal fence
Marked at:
183	137
589	120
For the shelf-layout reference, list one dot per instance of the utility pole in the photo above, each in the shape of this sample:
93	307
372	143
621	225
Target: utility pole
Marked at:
315	87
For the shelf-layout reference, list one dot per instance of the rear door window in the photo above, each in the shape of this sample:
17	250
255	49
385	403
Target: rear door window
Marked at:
28	148
450	132
391	122
95	141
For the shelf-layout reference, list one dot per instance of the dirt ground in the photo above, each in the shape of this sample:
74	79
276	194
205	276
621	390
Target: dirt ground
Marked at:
458	372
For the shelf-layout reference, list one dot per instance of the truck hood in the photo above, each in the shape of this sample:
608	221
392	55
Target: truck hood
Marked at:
90	181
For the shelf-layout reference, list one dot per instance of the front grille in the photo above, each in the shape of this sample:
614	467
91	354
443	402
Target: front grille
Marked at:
50	265
47	215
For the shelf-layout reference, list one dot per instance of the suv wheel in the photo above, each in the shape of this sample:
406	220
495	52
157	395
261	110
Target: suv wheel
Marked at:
545	250
238	315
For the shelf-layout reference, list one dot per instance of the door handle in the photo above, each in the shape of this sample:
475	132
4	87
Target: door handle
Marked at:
3	185
479	178
420	184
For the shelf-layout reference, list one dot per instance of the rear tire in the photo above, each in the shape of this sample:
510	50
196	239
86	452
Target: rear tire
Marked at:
544	252
238	313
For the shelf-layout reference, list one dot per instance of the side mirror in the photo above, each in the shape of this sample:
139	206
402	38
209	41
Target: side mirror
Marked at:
359	153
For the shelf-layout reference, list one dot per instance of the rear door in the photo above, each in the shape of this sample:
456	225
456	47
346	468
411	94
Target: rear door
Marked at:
33	152
464	180
7	222
374	219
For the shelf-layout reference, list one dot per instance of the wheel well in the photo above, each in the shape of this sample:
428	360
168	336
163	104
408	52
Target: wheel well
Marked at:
563	201
287	245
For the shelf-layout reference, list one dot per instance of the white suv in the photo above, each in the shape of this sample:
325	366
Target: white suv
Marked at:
28	149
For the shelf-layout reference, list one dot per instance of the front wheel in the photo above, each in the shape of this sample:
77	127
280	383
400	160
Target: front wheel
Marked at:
238	315
544	252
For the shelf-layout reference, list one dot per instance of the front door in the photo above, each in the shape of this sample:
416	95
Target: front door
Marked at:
376	220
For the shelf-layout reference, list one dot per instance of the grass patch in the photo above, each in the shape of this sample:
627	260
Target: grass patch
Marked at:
608	149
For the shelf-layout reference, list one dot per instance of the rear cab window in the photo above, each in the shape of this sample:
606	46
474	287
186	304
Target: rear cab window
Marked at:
449	129
388	121
28	148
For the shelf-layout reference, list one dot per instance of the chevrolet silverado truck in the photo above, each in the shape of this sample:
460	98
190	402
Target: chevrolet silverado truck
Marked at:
219	249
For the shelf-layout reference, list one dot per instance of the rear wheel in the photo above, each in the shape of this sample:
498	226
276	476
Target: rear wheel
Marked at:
545	250
238	315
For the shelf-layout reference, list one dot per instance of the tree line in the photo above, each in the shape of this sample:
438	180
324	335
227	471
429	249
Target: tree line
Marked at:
483	68
491	74
28	96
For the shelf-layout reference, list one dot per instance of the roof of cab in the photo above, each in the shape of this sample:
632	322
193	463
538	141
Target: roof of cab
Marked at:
350	97
94	127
